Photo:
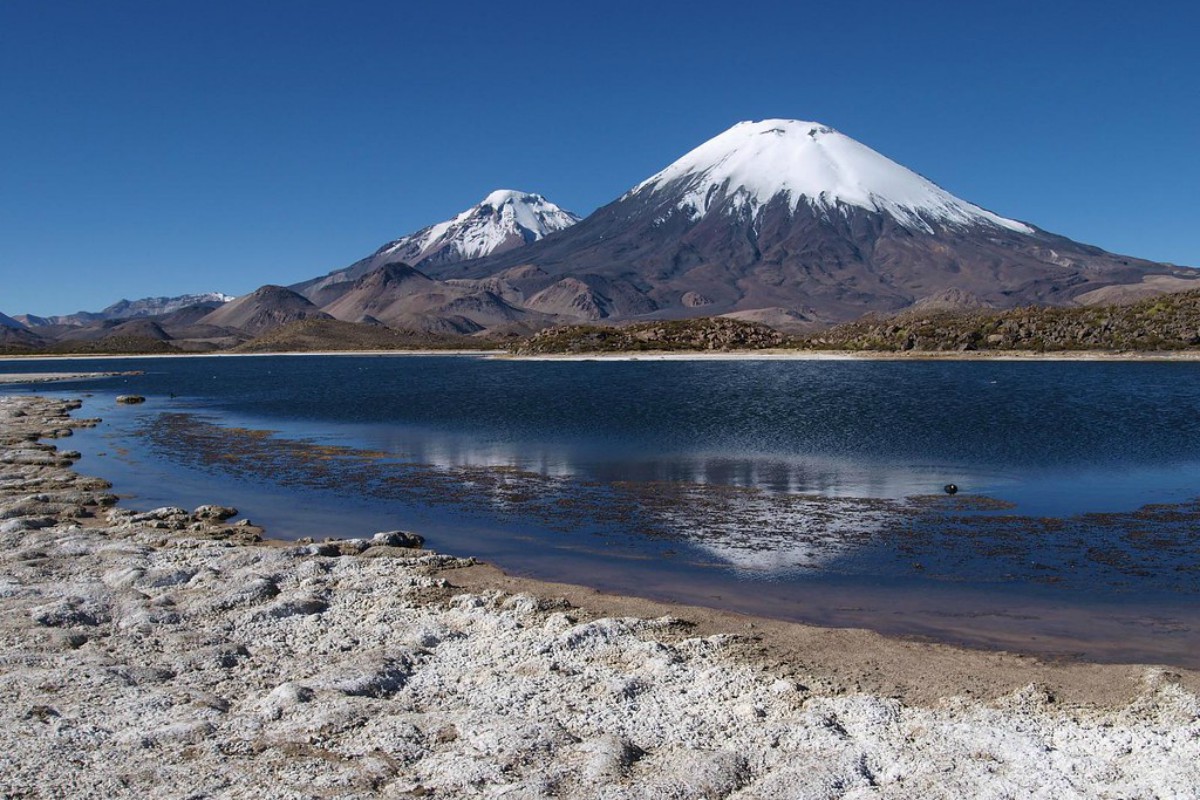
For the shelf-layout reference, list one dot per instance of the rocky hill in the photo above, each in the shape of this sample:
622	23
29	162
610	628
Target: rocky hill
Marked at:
1165	322
691	334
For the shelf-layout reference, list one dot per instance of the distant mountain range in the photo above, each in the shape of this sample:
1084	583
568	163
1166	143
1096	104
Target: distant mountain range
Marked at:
129	309
780	221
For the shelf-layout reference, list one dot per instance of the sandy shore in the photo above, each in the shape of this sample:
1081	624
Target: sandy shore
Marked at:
170	654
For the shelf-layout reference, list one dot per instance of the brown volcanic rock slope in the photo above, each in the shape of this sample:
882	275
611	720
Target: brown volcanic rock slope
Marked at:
792	215
262	310
16	337
402	297
311	335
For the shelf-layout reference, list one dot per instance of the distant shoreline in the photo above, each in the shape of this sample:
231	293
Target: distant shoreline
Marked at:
872	355
779	354
51	377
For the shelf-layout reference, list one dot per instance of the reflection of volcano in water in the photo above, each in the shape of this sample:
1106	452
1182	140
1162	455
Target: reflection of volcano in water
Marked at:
762	513
785	473
772	533
748	527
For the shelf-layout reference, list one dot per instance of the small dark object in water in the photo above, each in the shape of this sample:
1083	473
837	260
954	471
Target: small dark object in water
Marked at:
131	399
951	488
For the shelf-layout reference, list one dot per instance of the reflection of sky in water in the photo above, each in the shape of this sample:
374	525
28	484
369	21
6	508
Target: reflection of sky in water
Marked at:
1035	490
1053	438
795	474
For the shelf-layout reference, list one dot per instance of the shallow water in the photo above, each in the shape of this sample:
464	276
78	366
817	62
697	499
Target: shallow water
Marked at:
774	487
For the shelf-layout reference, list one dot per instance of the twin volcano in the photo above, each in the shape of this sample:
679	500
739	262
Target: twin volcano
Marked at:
798	218
780	221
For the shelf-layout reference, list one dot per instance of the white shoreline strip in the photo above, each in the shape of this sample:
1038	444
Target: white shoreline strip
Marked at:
1181	356
50	377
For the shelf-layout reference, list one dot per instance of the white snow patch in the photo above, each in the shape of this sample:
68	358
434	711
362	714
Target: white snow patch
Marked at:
504	218
753	163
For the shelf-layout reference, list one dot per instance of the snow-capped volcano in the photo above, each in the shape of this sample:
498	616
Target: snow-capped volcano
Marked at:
504	220
783	217
754	163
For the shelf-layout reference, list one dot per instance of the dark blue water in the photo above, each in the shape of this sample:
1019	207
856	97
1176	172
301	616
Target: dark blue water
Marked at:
617	474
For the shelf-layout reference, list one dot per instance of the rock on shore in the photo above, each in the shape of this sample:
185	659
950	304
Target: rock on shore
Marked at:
170	654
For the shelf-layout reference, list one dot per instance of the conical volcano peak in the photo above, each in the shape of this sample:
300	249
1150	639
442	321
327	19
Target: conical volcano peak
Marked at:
503	196
529	215
755	163
503	220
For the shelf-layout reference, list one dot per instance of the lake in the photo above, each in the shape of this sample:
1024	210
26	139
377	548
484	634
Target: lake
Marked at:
805	490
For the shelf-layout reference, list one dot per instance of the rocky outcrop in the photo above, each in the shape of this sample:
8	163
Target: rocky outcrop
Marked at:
708	334
402	297
1161	323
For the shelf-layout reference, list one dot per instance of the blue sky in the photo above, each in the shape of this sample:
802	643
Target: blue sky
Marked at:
152	148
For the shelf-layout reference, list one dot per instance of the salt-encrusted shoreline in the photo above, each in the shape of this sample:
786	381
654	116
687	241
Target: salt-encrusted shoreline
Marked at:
52	377
168	654
770	354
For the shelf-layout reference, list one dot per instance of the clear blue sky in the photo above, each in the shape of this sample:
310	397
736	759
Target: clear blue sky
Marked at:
154	147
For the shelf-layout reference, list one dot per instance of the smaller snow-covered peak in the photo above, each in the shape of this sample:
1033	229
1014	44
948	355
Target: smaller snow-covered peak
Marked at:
502	196
505	219
754	163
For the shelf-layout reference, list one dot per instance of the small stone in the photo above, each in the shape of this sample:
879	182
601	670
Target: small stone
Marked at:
397	539
130	399
213	512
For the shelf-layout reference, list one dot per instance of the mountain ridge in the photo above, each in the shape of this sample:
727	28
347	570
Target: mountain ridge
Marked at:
129	309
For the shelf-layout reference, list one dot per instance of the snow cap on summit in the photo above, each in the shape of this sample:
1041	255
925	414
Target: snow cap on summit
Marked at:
506	218
753	163
502	196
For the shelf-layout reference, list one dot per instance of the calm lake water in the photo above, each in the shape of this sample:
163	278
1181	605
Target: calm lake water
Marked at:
806	490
